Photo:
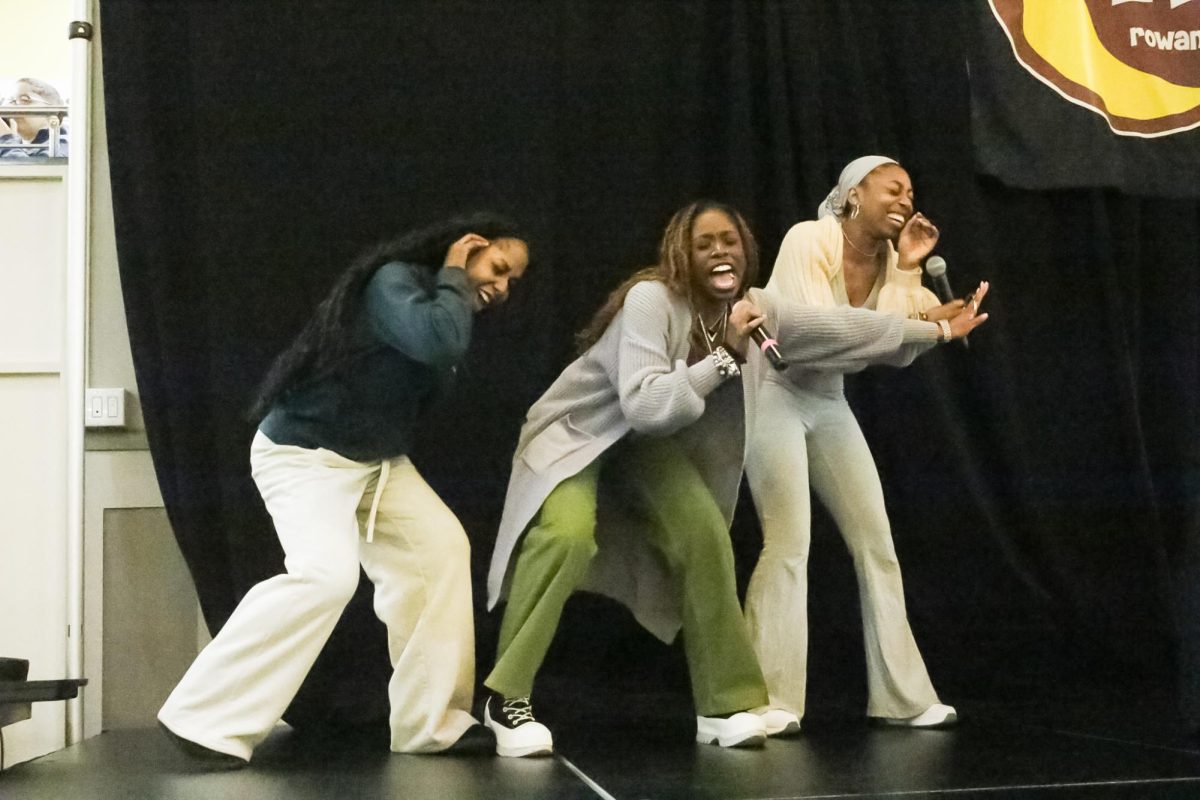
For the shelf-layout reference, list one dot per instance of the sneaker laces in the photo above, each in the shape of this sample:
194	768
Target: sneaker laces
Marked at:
517	710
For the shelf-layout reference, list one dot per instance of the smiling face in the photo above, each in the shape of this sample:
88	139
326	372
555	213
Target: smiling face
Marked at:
885	200
492	271
718	258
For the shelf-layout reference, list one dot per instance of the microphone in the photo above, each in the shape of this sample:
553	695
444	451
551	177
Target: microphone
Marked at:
935	267
770	348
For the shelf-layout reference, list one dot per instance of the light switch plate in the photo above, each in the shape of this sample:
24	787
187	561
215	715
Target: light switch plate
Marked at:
105	408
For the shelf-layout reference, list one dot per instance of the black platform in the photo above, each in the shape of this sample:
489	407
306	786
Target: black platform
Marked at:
639	746
1039	720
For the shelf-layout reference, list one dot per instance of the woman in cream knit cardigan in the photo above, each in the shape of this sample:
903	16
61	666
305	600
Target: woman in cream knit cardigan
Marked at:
864	250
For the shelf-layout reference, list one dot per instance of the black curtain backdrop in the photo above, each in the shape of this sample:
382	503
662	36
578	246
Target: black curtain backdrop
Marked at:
1042	484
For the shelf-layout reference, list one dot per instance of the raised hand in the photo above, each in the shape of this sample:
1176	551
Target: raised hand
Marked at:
946	311
461	250
969	318
917	238
743	318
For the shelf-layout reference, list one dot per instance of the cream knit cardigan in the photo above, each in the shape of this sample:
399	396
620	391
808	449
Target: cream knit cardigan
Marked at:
808	270
636	379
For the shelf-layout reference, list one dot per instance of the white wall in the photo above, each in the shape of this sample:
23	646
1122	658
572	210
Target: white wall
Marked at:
118	473
33	41
33	579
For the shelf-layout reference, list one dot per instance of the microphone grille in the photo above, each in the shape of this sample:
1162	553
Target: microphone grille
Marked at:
935	266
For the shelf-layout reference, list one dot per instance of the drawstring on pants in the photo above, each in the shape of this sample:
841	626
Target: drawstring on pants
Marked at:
384	467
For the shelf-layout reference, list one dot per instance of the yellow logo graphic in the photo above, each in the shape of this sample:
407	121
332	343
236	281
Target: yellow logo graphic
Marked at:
1136	62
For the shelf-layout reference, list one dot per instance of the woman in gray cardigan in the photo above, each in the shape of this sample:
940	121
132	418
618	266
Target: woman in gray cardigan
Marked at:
658	391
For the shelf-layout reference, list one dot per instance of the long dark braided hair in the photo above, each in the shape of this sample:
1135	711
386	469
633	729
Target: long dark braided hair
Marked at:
325	342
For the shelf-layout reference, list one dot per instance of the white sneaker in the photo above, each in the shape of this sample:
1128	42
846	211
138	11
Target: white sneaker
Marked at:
742	729
778	721
518	734
936	716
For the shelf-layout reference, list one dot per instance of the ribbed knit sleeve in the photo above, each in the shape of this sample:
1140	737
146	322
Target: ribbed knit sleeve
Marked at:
433	329
659	394
843	339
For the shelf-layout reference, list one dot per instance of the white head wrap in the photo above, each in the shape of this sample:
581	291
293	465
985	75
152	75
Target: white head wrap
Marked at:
852	175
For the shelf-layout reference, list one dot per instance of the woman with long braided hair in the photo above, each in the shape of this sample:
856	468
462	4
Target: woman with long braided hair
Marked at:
339	410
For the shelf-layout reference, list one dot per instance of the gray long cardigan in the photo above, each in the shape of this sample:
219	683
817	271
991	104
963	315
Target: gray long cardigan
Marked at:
636	378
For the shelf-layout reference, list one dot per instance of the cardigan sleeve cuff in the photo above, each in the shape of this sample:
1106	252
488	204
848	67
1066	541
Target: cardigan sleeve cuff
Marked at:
916	331
704	377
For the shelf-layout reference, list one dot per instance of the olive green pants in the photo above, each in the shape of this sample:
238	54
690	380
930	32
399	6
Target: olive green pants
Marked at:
687	529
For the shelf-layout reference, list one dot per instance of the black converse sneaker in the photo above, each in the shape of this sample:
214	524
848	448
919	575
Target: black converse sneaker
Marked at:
518	734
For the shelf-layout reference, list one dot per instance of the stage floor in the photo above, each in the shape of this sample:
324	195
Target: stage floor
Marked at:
639	746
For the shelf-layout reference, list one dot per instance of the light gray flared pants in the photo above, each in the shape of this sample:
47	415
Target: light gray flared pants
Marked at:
807	439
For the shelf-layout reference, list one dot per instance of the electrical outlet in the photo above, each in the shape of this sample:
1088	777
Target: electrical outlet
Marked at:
105	408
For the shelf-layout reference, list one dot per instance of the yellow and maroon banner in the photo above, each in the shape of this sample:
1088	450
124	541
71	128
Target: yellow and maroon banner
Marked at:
1136	62
1089	92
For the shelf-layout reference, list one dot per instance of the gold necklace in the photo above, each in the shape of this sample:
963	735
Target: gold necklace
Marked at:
717	333
858	249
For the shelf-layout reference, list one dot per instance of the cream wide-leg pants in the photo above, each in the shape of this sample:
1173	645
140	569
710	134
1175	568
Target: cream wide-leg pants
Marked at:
331	513
804	438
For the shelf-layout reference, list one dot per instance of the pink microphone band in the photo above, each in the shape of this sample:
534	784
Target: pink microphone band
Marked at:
767	342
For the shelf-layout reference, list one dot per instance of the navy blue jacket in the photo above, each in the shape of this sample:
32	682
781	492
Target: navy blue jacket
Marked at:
407	340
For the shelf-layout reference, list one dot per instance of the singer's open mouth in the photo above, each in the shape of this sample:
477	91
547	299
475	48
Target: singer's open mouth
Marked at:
724	278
